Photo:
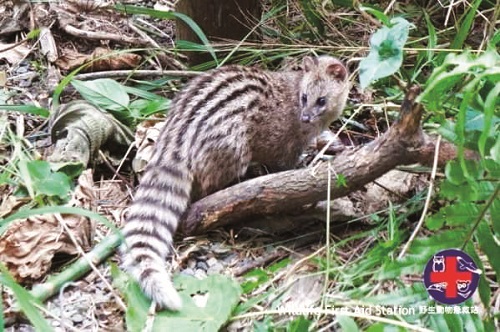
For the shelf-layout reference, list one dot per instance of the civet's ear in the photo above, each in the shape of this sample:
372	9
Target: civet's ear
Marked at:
308	63
337	70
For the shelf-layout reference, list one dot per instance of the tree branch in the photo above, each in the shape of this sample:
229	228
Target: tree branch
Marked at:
404	143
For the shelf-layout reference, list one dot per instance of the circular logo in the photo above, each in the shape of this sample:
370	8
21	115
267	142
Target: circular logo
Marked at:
451	276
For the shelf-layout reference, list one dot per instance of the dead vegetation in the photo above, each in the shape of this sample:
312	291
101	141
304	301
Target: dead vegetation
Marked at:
282	211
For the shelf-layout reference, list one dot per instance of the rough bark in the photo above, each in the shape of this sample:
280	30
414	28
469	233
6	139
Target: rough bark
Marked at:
404	143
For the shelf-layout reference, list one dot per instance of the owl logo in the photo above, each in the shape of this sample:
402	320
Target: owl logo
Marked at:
438	264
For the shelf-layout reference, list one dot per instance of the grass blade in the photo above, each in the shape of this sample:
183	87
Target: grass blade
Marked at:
171	15
26	301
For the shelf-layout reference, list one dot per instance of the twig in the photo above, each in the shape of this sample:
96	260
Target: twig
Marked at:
71	30
14	45
89	261
101	251
481	214
260	261
135	73
389	7
427	200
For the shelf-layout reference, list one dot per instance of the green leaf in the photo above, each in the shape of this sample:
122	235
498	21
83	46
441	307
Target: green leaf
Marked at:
46	182
386	52
38	169
207	303
454	322
216	296
489	246
145	108
299	324
379	14
495	150
382	327
56	184
312	15
489	118
456	70
456	174
495	216
31	109
26	301
279	265
254	279
104	93
344	3
431	45
465	25
347	323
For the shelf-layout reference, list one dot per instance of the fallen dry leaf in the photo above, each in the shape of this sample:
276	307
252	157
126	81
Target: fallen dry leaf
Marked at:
101	59
13	54
29	245
145	137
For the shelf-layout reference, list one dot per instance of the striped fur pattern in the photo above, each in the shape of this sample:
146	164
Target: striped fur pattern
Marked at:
219	123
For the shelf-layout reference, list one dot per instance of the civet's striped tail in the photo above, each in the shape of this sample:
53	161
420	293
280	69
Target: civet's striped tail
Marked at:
159	203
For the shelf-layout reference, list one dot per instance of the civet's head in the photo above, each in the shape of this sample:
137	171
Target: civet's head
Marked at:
323	90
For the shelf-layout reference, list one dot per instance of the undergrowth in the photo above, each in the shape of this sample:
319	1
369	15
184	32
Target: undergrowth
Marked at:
372	274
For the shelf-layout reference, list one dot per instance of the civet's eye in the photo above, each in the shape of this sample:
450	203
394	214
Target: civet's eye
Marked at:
304	99
321	101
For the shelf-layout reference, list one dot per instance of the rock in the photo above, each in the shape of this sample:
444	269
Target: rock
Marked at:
202	265
211	261
215	269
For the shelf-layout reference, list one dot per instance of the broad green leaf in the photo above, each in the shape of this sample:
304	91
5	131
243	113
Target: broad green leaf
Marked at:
454	171
38	169
217	297
207	303
386	52
105	93
456	70
144	108
347	323
46	182
299	324
56	184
